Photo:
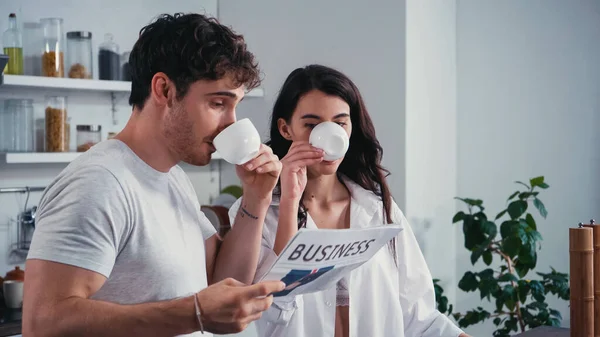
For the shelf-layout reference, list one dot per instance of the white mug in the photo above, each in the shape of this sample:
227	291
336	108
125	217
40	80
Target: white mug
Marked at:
13	294
238	143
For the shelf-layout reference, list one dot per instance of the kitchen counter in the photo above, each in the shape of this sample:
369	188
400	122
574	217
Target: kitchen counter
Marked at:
10	322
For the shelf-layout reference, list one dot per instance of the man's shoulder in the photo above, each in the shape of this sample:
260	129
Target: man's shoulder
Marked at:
96	170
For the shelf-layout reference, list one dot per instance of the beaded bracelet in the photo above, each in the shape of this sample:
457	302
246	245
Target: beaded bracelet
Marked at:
198	313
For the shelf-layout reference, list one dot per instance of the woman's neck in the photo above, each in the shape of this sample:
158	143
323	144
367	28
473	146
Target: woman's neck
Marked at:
324	190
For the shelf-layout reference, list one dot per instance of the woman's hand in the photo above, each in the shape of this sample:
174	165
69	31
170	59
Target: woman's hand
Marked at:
293	174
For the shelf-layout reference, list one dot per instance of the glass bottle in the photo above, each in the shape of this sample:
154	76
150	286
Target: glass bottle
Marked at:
12	41
79	54
109	59
53	64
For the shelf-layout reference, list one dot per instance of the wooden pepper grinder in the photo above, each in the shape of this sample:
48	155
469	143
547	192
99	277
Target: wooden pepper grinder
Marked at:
581	260
596	238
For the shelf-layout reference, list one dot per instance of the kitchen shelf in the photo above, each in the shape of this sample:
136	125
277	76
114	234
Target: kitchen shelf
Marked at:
50	157
72	84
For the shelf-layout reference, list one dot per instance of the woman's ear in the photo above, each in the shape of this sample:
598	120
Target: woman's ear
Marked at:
284	129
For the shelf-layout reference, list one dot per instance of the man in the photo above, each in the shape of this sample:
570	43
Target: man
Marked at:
121	247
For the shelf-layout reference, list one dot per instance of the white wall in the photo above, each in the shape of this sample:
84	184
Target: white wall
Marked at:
85	108
431	132
365	42
528	104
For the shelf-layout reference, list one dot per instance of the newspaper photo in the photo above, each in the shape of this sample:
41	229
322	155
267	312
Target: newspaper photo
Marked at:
316	259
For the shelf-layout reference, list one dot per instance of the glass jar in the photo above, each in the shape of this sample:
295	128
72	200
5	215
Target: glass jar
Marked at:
6	128
53	64
79	55
109	59
88	136
20	131
56	124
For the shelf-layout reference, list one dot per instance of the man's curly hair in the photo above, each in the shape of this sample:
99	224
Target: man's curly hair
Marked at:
188	48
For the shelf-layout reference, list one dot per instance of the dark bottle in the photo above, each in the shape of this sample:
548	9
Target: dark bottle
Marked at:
109	60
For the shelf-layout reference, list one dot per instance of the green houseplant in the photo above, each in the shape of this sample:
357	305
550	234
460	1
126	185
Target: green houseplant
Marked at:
508	244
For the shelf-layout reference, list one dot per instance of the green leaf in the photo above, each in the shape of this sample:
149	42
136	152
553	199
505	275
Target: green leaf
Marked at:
471	202
522	183
513	195
531	221
526	195
537	290
490	229
534	236
487	257
501	214
480	216
475	255
517	208
507	277
537	181
511	246
468	282
497	321
458	217
507	228
537	305
528	255
523	290
555	313
543	185
487	274
522	232
540	206
508	292
499	303
473	231
522	269
473	317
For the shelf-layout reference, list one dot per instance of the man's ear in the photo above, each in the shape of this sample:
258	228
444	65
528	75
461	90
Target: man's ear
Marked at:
284	129
162	90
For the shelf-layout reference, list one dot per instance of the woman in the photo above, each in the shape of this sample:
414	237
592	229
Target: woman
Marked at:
390	295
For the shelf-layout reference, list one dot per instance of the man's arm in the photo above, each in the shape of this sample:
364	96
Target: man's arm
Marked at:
57	303
238	253
240	249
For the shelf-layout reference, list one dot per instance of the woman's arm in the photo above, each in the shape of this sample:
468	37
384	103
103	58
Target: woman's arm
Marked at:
288	224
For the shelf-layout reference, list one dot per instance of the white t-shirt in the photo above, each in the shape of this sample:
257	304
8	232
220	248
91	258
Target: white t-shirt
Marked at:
111	213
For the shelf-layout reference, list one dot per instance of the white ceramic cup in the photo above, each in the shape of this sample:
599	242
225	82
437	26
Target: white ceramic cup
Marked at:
331	138
239	142
13	294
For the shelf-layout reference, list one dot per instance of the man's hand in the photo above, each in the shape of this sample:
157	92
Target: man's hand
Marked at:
229	306
259	176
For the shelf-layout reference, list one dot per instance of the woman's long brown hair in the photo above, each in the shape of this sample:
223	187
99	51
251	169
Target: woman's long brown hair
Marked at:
362	163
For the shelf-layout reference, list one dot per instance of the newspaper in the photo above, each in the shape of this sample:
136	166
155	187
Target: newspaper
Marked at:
316	259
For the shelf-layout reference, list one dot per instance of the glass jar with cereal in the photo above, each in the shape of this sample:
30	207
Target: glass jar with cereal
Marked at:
53	64
56	124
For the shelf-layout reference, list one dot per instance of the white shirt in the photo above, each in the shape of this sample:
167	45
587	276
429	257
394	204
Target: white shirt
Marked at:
385	299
